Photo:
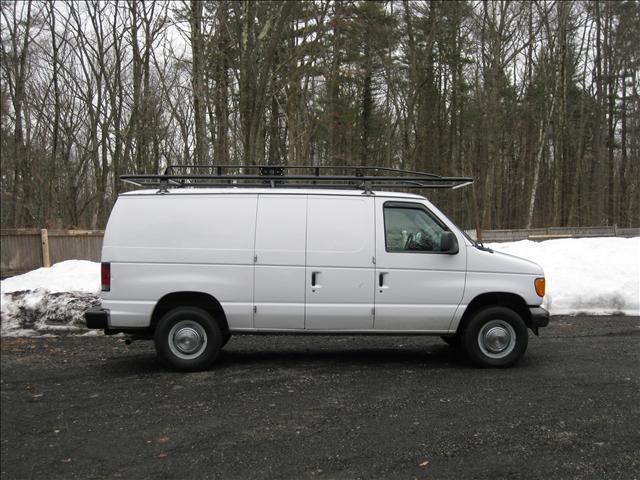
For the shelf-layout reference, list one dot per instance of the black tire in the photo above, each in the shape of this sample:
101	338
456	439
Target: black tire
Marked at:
495	337
452	340
188	338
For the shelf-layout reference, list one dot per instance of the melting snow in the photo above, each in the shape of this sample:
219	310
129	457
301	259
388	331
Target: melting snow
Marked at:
49	301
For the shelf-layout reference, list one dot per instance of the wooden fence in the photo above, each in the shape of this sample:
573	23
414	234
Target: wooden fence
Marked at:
554	232
26	249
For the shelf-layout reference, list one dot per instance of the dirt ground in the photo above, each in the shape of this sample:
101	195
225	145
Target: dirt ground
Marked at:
326	407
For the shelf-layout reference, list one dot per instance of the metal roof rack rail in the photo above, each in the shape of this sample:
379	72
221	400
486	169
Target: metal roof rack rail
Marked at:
292	176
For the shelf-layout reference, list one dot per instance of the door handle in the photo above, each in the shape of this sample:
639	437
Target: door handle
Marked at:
381	279
314	279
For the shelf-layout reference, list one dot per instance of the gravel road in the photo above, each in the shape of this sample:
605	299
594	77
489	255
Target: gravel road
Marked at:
326	407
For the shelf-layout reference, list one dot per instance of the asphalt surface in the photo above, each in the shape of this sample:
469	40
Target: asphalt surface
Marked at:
326	407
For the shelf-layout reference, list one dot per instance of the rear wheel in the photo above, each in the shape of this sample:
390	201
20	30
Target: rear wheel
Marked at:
495	337
188	338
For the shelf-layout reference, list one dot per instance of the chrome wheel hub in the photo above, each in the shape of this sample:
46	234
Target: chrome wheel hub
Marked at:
187	339
497	339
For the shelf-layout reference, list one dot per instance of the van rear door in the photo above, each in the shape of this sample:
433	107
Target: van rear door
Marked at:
339	274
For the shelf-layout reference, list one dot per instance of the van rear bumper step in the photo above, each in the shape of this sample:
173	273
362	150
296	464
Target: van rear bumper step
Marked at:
97	317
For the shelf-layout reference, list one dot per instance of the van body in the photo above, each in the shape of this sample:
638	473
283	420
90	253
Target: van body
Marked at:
191	267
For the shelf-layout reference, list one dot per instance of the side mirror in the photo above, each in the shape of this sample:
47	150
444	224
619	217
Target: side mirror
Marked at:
448	243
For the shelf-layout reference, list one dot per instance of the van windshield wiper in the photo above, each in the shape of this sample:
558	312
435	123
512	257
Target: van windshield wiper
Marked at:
480	246
476	243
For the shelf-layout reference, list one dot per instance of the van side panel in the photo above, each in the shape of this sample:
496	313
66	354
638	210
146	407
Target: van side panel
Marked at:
182	229
340	270
280	259
170	243
137	287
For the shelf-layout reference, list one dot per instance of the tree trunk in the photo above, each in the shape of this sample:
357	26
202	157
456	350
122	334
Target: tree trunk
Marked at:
198	83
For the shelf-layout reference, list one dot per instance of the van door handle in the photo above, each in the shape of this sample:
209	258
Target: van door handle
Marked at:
314	278
381	279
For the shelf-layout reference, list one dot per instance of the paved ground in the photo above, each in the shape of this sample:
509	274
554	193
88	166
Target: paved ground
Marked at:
326	407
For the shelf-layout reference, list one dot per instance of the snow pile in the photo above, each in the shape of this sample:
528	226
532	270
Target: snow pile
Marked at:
49	300
69	276
599	276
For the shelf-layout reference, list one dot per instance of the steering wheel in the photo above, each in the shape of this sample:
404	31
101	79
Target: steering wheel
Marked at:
418	241
409	242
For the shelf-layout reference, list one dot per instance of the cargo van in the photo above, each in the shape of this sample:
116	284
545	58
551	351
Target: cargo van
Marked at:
199	258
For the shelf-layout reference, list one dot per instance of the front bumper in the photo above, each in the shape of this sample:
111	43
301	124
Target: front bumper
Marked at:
97	317
539	318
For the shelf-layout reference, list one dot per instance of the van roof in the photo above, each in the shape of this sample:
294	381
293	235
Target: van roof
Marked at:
270	191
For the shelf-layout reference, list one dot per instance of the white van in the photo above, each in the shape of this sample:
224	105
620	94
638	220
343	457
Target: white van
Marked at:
189	267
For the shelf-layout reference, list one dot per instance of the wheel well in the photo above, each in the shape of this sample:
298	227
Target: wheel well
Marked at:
502	299
195	299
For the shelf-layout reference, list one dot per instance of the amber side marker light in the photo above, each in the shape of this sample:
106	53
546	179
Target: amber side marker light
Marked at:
539	283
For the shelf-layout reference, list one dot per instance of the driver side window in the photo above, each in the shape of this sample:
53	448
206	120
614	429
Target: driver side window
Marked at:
409	229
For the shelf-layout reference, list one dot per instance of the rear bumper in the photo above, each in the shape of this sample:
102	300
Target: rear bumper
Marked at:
539	317
97	318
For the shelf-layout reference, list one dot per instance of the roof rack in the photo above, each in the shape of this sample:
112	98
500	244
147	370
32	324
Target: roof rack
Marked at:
292	176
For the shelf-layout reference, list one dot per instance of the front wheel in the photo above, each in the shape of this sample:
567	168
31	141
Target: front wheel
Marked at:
495	337
188	338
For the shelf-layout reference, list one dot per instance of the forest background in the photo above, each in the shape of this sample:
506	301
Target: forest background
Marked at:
538	100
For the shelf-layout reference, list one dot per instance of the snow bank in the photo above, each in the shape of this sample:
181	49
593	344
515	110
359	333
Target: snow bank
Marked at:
69	276
584	275
599	276
49	300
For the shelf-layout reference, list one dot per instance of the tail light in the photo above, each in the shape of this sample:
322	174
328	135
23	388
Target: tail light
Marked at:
105	275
